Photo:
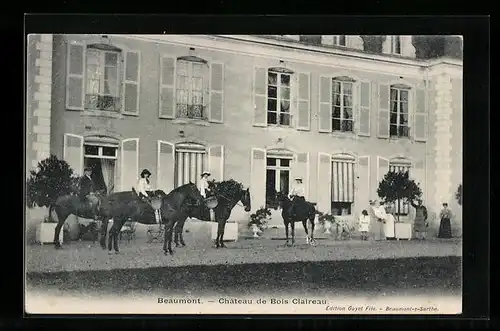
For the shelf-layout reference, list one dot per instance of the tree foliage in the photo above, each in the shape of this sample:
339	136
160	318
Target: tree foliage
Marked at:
396	186
52	179
458	194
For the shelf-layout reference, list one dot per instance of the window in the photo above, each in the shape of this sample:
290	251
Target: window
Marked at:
311	39
342	104
102	159
102	79
339	40
191	84
400	165
277	178
278	98
396	45
342	184
399	111
190	162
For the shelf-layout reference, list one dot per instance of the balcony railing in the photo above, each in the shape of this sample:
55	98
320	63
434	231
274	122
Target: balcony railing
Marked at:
102	102
191	111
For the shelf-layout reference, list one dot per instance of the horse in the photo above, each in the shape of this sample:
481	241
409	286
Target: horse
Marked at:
124	206
303	211
228	194
71	204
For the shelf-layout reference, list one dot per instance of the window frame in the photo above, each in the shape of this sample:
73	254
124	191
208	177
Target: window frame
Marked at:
189	147
342	81
395	42
398	112
101	69
278	168
99	153
337	38
345	157
205	68
278	98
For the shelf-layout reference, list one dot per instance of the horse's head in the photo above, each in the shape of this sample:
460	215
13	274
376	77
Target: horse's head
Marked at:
246	200
281	198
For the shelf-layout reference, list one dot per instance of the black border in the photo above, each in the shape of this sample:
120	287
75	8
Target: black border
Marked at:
476	143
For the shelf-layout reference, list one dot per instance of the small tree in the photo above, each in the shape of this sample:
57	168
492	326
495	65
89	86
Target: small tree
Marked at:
397	186
458	194
52	179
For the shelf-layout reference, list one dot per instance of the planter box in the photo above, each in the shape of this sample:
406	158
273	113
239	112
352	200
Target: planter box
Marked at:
403	231
230	231
45	233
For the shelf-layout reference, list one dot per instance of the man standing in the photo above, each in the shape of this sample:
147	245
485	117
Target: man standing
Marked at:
420	223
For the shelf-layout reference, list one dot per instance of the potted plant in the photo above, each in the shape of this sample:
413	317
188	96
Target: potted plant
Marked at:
258	221
326	220
51	179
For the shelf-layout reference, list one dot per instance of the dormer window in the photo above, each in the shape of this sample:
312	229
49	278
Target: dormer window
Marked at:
396	45
340	40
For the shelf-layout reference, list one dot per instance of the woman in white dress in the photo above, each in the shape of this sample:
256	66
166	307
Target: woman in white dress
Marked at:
364	224
143	184
389	224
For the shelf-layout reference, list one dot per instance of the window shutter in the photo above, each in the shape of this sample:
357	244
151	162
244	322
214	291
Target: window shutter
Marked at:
258	178
364	106
75	76
417	173
73	152
167	87
324	196
216	108
260	96
216	162
383	110
131	82
129	163
325	104
303	102
166	166
362	183
420	115
382	169
300	167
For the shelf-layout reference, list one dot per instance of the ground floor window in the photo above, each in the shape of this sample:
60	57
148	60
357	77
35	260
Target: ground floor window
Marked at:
190	162
342	184
277	178
102	160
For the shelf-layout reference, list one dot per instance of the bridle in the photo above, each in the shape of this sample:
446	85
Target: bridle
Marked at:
238	202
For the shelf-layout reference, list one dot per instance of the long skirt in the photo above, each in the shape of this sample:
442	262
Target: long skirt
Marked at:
444	228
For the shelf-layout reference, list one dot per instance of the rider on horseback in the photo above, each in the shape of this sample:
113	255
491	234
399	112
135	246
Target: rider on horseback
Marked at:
297	193
203	184
143	185
87	189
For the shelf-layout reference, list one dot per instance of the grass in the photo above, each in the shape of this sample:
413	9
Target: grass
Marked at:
388	276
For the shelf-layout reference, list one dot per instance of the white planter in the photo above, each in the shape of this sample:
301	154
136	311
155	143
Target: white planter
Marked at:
45	233
255	230
230	231
403	230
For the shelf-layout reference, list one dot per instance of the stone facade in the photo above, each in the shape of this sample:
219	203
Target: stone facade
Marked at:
236	131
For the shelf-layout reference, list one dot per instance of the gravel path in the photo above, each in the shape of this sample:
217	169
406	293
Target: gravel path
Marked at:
138	254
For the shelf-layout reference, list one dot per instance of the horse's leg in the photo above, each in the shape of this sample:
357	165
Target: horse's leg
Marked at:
286	231
176	234
118	225
304	224
167	241
220	232
181	224
313	241
104	231
292	223
60	222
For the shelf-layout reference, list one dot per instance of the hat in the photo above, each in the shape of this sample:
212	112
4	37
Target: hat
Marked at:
87	169
371	202
145	172
205	173
298	178
445	203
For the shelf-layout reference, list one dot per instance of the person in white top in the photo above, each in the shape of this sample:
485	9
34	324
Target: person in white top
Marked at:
203	183
143	185
364	224
379	215
297	193
389	223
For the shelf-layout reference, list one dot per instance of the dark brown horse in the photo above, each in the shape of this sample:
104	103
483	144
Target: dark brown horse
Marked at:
124	206
228	194
303	211
71	204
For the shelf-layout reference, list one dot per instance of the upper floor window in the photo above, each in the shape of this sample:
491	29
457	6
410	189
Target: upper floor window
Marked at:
102	79
191	84
278	97
342	104
396	45
339	40
399	126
